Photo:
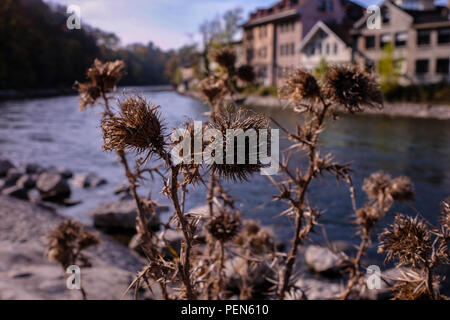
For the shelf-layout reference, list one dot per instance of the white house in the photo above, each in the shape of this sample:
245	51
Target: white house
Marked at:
328	42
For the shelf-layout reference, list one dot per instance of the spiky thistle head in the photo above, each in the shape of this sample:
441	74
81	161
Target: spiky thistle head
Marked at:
300	86
212	89
352	88
246	73
367	217
225	57
66	242
241	135
402	189
103	78
138	127
225	226
191	165
408	240
377	184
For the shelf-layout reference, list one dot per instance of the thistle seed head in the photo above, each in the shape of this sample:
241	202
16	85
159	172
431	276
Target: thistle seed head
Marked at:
225	226
352	88
407	240
212	89
225	57
300	86
240	120
103	78
246	73
377	185
138	127
67	241
401	189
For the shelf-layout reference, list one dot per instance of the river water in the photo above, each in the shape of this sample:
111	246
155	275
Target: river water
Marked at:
53	132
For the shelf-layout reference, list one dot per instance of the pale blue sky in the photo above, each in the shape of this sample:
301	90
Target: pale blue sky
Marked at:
167	23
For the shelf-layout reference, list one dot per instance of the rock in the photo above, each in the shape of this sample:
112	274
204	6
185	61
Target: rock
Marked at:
257	276
33	168
65	173
120	216
26	181
52	186
16	192
5	166
123	188
323	261
25	272
88	180
12	176
315	289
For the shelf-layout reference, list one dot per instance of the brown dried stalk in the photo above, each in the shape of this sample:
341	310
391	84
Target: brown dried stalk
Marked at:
306	95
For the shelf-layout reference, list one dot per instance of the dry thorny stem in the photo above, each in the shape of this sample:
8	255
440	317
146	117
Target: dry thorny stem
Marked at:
200	272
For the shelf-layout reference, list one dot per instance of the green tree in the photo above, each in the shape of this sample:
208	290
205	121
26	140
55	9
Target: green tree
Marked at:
389	69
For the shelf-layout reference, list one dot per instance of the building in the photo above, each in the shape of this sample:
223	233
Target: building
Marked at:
272	36
326	42
419	32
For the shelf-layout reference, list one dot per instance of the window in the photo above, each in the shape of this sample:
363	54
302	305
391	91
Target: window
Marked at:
385	14
327	49
249	55
423	37
401	39
292	47
385	39
442	66
325	5
370	42
422	66
444	35
335	49
319	47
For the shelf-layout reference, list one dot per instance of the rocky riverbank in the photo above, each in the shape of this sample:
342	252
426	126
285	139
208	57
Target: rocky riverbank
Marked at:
412	110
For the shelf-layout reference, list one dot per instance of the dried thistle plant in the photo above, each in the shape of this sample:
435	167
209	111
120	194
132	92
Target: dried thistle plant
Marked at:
246	73
318	100
414	244
226	58
381	191
212	89
353	88
66	243
137	128
103	78
240	120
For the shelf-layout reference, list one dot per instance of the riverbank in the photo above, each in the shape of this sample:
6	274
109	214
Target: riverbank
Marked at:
48	93
412	110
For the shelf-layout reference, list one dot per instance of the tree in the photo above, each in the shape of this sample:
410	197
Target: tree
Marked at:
389	69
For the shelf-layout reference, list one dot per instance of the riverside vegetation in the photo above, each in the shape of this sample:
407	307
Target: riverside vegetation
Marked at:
133	129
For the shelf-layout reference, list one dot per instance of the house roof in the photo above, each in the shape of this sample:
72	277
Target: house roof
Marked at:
339	31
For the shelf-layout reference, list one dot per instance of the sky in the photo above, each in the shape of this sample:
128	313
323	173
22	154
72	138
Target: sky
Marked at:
169	24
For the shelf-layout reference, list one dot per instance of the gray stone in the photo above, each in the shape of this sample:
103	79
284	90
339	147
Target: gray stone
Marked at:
33	168
65	173
316	289
53	187
26	181
122	188
120	216
12	176
322	260
88	180
16	192
5	165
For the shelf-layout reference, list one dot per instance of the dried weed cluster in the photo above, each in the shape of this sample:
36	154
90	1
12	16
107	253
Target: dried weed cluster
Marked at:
221	239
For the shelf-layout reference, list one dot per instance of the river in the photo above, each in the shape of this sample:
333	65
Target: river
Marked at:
52	132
